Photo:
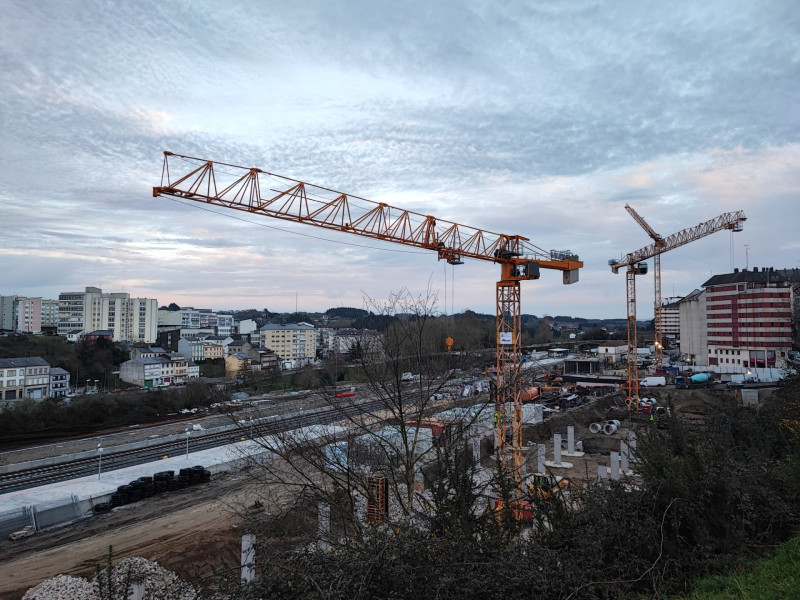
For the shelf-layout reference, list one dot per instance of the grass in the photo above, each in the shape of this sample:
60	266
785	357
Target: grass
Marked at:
775	578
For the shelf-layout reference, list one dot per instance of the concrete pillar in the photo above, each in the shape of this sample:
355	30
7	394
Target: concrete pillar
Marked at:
476	452
323	526
570	439
602	471
557	448
615	466
540	455
248	557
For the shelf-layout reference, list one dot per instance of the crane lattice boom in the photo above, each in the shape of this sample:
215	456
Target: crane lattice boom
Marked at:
285	198
240	188
731	220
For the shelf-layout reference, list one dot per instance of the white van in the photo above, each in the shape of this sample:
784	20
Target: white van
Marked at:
653	382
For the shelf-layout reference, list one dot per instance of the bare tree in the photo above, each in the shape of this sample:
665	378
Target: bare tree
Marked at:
372	442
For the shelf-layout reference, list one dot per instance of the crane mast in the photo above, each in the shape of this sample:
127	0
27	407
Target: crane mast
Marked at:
658	241
634	265
240	188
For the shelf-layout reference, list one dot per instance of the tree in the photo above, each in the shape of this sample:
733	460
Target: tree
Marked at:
381	431
544	333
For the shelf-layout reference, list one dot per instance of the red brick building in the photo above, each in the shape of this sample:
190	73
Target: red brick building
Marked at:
749	319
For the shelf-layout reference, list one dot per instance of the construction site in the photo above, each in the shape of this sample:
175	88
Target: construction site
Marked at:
530	427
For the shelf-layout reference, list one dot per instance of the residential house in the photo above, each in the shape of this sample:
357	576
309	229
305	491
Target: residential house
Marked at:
24	378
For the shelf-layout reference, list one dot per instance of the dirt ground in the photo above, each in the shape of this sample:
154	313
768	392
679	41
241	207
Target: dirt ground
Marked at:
195	532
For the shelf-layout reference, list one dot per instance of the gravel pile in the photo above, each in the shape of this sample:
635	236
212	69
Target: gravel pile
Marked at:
159	584
62	587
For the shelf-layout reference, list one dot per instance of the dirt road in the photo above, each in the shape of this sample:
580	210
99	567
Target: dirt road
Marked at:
192	532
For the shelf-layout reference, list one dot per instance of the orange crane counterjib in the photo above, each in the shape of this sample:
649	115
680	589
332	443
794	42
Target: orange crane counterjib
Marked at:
731	220
240	188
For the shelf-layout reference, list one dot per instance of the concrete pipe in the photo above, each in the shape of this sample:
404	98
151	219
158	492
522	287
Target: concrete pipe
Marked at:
609	428
614	422
595	427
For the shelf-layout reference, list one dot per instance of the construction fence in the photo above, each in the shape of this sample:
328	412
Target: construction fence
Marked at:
40	516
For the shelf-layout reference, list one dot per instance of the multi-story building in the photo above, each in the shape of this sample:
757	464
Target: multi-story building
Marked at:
130	319
748	317
59	382
75	310
8	313
24	378
28	315
150	368
671	318
49	314
292	342
693	331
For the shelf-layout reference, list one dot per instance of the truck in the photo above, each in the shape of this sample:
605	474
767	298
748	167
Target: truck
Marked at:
653	382
694	381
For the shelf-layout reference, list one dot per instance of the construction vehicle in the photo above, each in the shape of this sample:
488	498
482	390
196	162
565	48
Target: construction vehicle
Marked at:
239	188
634	265
537	486
694	381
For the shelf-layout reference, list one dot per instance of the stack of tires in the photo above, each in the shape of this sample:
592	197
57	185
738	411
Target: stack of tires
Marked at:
161	482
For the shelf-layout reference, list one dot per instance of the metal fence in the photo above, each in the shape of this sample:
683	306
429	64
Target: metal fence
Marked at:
41	516
15	520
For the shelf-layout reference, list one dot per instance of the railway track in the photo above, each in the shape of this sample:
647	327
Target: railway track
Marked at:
111	460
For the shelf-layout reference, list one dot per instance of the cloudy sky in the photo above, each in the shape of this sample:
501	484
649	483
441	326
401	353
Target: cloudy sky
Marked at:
538	118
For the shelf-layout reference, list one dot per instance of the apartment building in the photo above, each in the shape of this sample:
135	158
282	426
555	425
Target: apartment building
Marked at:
130	319
150	368
24	378
671	318
749	320
291	342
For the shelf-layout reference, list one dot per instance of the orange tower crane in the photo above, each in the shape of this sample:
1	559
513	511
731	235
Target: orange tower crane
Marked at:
635	265
240	188
658	241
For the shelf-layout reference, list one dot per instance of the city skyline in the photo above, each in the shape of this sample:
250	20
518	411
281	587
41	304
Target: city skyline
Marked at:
532	119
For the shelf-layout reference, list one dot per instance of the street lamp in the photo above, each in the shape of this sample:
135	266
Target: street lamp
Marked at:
187	443
99	460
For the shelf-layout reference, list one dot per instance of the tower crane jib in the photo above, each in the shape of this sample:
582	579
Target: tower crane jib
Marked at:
241	188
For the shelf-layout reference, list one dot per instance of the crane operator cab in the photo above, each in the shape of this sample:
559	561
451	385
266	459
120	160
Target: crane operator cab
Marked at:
526	270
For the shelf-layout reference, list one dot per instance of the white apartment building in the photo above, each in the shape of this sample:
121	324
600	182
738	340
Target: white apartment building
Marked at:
293	342
49	313
129	319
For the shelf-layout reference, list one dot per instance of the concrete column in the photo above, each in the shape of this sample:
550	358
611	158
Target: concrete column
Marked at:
248	557
541	453
557	448
615	466
323	526
556	462
602	471
570	439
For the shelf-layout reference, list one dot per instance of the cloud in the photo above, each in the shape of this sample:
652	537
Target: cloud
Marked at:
537	119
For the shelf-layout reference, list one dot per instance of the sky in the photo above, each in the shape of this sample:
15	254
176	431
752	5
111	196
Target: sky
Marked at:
538	118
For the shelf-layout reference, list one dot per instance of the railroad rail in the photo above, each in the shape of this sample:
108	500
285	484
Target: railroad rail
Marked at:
28	478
